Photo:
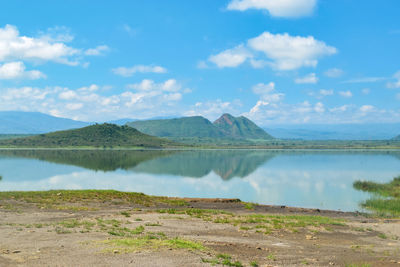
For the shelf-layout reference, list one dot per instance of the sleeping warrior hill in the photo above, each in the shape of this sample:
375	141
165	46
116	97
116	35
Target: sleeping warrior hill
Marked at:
226	127
98	135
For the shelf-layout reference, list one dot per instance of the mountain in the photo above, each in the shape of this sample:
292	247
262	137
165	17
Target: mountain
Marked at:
19	122
226	126
196	126
240	127
397	138
98	135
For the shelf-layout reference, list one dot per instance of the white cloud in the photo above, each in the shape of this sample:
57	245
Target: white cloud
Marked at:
280	8
367	108
16	70
97	51
308	79
366	91
321	93
202	64
395	84
231	57
365	80
57	34
340	109
94	103
325	92
267	92
128	72
282	51
334	73
291	52
346	94
213	109
319	107
47	47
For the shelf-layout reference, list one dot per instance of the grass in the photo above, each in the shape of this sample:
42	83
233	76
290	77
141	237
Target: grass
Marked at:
259	222
152	242
386	197
54	198
223	259
358	265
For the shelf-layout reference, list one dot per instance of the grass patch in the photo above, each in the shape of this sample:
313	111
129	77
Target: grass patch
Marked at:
223	259
55	198
152	242
385	199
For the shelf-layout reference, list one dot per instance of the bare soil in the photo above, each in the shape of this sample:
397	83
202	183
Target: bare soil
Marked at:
31	235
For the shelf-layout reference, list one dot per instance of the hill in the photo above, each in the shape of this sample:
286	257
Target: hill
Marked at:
240	127
397	138
225	127
19	122
196	126
98	135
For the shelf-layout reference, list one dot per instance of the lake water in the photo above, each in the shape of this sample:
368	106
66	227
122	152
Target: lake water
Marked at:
311	179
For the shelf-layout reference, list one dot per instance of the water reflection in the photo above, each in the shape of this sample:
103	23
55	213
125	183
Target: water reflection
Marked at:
312	179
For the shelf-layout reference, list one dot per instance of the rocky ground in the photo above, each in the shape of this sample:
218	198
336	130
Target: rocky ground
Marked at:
189	232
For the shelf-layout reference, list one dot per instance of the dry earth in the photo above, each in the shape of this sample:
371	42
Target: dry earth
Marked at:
209	232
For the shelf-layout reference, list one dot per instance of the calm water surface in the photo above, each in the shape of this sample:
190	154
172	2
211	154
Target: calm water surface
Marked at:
303	178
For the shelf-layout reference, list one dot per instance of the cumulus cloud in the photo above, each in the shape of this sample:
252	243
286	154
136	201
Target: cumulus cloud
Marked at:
346	94
213	109
396	83
16	70
267	92
282	51
266	112
308	79
231	57
321	93
46	47
128	72
93	103
282	8
334	73
97	51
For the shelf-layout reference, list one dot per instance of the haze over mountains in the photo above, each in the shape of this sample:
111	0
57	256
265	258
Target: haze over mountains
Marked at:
226	126
18	122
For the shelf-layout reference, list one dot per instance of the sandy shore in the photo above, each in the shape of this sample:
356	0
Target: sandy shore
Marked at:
199	232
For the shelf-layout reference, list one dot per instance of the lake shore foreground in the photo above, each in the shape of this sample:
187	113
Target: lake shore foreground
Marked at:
111	228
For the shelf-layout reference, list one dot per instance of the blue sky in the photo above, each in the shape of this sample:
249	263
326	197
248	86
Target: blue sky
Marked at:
277	62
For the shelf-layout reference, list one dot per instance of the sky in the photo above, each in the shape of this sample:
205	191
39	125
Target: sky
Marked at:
275	62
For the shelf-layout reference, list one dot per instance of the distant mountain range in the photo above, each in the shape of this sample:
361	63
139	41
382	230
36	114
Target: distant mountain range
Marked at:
98	135
397	138
226	126
19	122
368	131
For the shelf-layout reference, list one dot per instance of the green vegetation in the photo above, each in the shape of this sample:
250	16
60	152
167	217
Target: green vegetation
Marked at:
100	136
240	127
196	126
226	127
98	160
223	259
54	198
386	197
11	136
258	222
151	242
358	265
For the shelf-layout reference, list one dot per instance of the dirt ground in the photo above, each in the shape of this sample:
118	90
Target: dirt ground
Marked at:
204	233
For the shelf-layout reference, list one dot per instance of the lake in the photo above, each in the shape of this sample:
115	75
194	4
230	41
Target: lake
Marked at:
311	179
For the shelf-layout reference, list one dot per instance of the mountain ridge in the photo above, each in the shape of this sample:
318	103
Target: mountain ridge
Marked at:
98	135
227	126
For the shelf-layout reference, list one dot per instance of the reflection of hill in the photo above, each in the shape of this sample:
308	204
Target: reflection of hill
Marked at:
226	163
102	160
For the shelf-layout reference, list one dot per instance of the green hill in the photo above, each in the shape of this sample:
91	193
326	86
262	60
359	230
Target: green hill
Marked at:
98	135
240	127
196	126
226	127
